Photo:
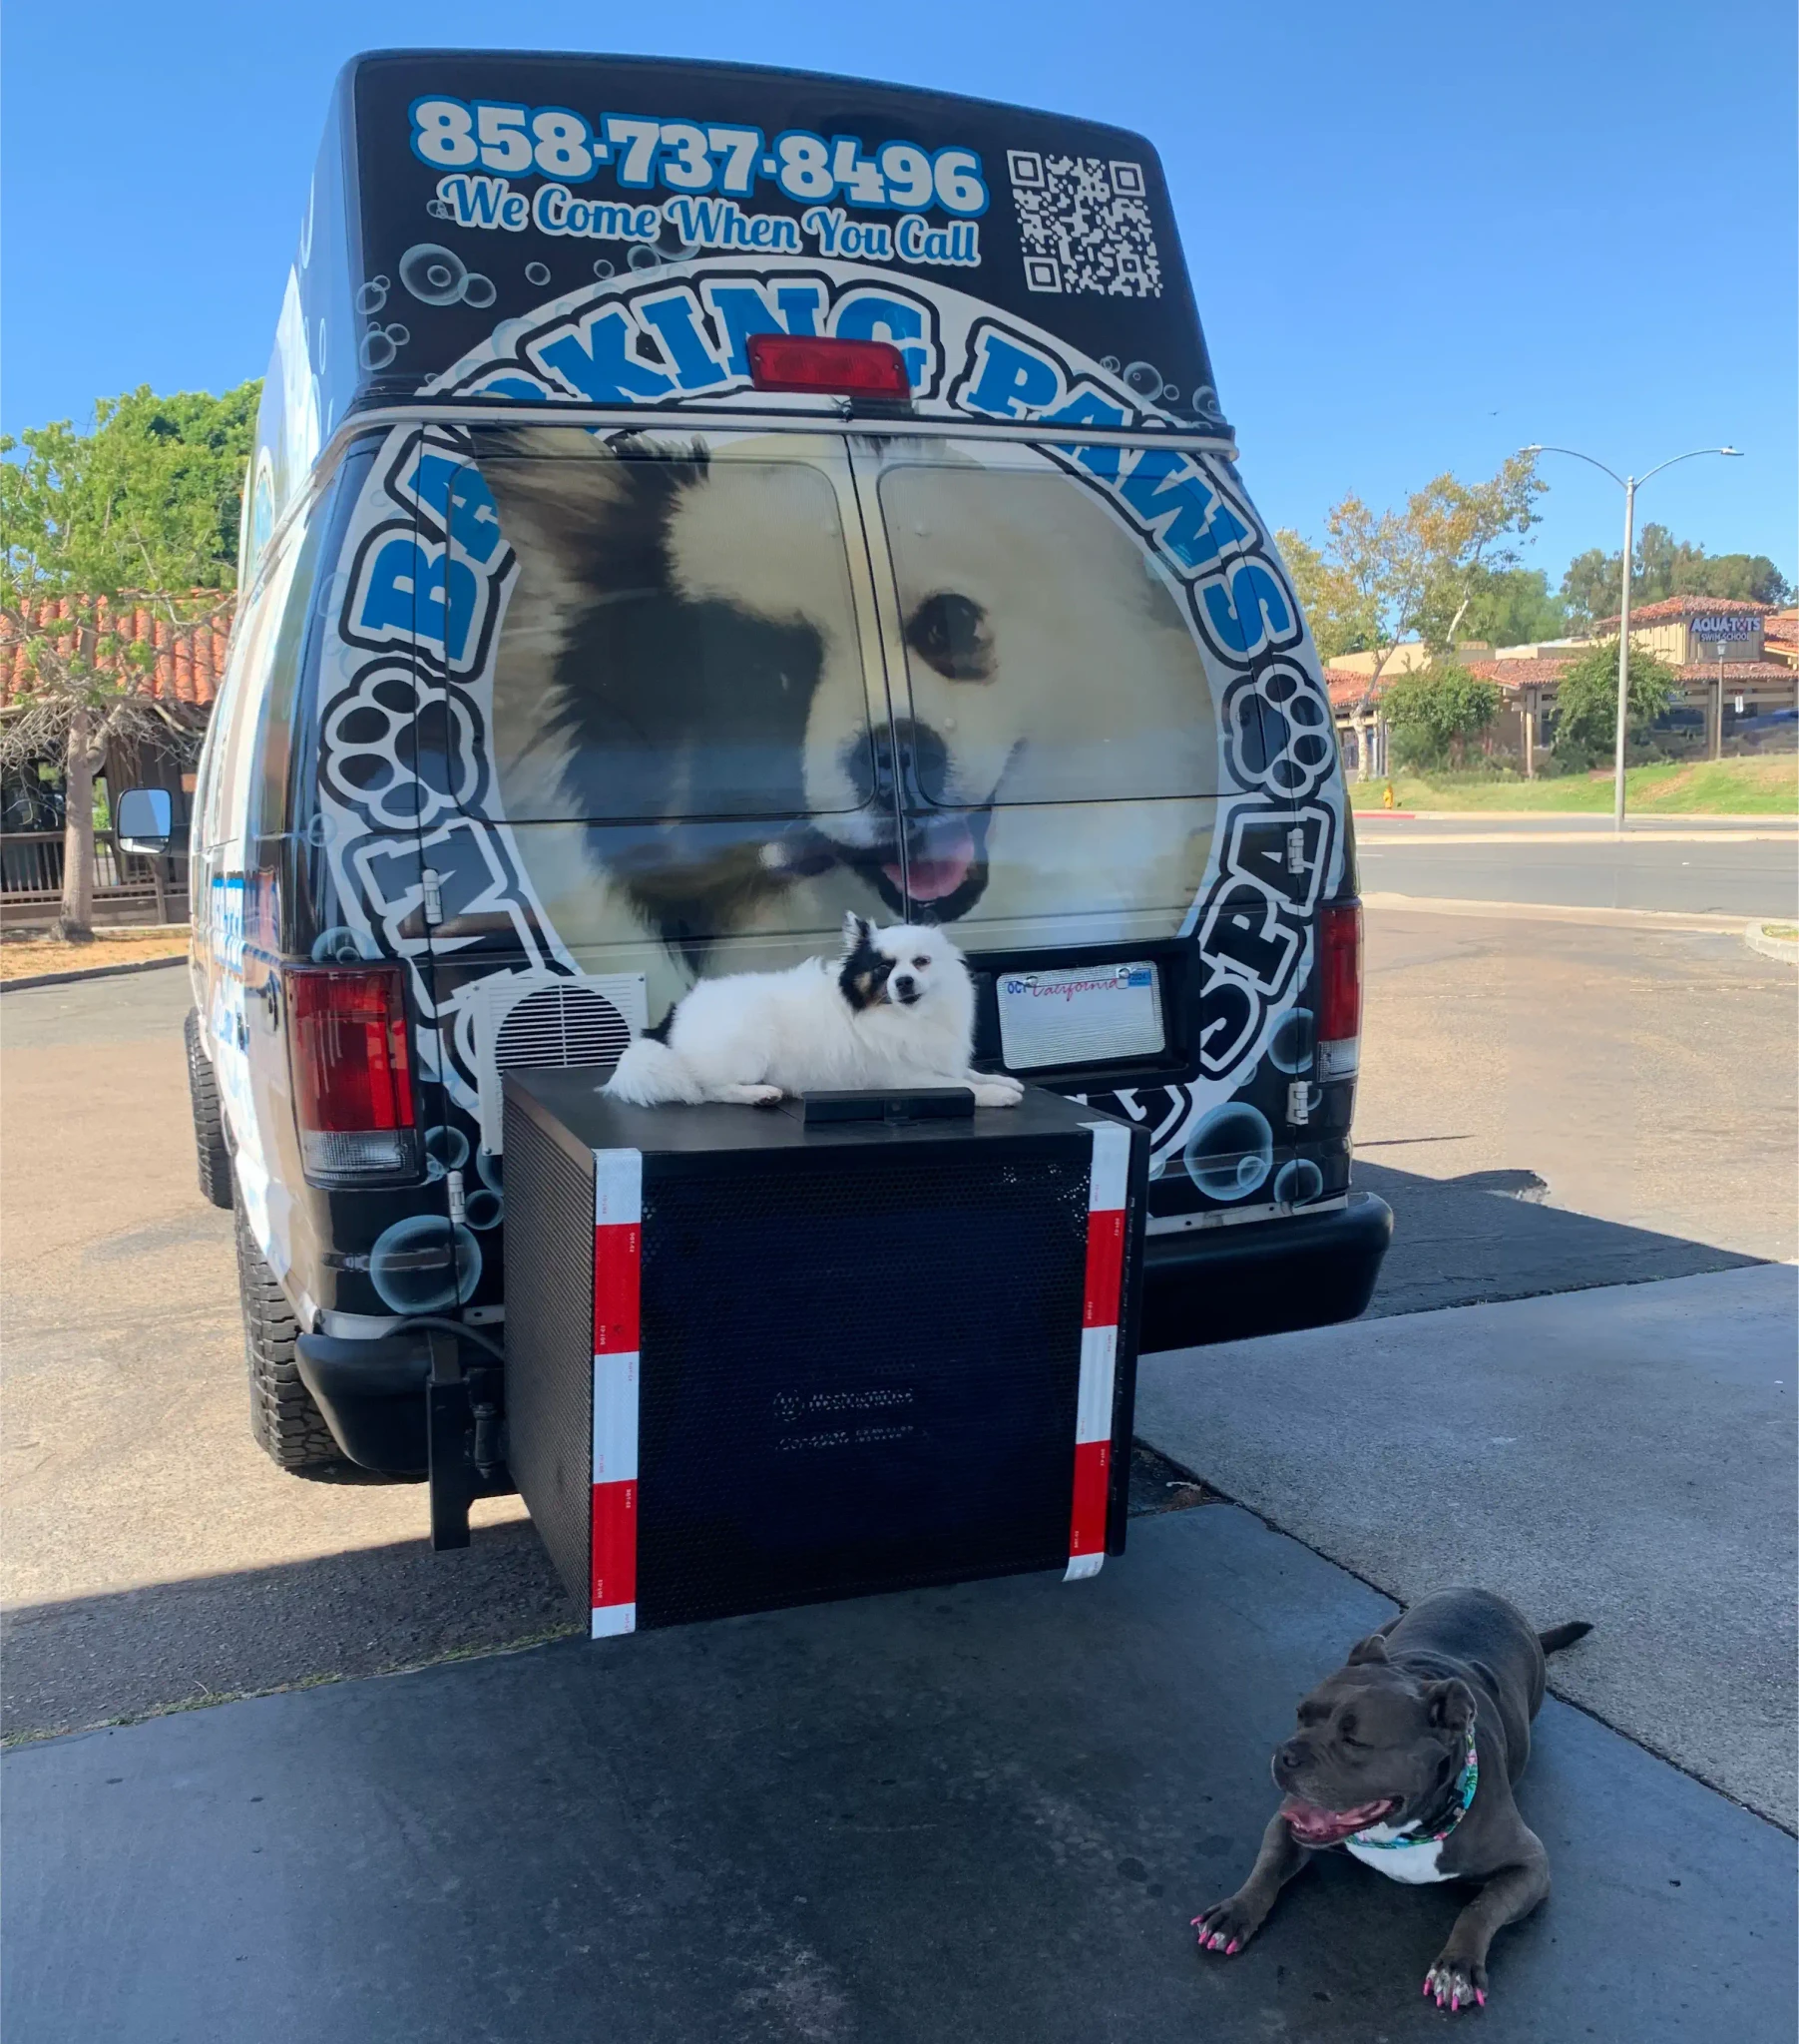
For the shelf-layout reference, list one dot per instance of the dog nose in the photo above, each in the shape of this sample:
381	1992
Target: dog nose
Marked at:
1287	1760
903	984
910	758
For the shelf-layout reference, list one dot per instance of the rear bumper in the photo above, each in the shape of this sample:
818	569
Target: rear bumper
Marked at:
1265	1277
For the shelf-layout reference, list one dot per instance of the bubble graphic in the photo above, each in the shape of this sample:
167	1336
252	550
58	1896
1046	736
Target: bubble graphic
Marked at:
399	335
1231	1152
602	268
537	273
373	294
434	274
1290	1049
319	829
422	1265
484	1210
341	945
1110	364
1169	394
375	349
643	257
446	1149
478	291
492	1169
1145	378
438	208
1297	1181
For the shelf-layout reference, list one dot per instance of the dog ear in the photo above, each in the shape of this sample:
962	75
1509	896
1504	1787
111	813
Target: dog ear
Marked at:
1373	1647
857	930
1448	1704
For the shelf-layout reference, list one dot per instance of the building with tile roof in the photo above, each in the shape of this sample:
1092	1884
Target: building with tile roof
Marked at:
189	661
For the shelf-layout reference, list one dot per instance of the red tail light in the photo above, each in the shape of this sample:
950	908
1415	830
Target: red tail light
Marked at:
1339	990
843	368
352	1073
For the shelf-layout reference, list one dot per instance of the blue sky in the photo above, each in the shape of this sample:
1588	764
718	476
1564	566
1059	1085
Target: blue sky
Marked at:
1420	236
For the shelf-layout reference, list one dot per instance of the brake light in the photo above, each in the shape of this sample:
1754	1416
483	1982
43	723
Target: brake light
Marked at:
1339	990
352	1073
843	368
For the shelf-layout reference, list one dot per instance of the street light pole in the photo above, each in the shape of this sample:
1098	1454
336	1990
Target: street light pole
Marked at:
1629	484
1623	660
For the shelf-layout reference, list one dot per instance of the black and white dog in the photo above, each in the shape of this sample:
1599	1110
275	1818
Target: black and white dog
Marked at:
896	1009
687	680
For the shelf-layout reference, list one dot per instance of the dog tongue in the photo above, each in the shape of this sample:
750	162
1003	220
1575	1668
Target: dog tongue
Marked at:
932	878
1313	1824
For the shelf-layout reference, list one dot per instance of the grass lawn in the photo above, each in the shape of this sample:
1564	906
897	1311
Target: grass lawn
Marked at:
1765	786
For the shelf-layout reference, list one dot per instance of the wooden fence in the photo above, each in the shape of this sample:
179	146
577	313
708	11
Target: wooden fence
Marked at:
127	887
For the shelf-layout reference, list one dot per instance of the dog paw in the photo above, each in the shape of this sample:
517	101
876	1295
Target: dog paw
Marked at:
1456	1984
1226	1926
998	1091
750	1096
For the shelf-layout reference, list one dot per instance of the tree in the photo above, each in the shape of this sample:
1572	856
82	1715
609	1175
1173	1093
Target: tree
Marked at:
1587	701
1463	530
1662	566
1437	712
1324	596
1381	576
1514	607
145	504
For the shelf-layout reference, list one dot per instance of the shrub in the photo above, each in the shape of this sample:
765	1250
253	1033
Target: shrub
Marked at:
1587	702
1436	714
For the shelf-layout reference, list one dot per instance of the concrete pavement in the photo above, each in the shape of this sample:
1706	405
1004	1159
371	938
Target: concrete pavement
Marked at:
985	1813
1646	1076
1620	1455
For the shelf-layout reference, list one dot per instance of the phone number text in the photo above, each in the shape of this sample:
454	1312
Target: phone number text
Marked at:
687	156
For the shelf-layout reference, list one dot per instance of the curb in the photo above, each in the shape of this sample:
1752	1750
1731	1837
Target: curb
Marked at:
1760	936
13	987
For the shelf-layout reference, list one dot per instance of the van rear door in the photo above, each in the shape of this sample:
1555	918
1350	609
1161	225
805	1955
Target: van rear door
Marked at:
673	753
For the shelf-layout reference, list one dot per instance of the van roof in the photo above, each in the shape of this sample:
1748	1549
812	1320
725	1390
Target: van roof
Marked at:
558	227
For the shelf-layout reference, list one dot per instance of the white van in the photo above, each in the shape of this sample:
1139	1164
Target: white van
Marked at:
692	502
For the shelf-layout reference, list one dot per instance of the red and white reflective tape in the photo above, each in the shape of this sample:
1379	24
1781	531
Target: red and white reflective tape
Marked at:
1106	1183
617	1258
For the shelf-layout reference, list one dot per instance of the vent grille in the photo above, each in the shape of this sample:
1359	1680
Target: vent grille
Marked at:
542	1019
561	1025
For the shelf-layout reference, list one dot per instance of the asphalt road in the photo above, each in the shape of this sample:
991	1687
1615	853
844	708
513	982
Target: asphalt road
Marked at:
1668	864
986	1813
155	1557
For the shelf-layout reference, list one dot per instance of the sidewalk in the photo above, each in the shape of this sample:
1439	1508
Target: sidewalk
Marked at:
1624	1455
983	1813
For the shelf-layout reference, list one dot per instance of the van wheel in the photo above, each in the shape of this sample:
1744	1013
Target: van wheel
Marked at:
208	1121
289	1427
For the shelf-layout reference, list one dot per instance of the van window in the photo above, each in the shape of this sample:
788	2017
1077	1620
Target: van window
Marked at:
681	642
235	716
275	738
1041	641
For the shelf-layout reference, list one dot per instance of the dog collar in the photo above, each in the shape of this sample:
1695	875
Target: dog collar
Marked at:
1467	1782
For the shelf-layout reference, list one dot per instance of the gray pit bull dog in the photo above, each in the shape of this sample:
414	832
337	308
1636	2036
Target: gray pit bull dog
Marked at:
1407	1757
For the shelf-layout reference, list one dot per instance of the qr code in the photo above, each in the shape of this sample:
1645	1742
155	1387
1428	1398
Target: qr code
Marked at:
1083	224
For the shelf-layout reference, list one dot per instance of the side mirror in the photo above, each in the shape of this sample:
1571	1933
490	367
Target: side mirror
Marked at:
145	822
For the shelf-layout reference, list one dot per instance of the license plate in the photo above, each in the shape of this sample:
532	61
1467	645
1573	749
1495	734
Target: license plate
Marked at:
1078	1017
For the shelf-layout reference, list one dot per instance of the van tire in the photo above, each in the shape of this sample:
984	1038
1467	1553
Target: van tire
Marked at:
289	1427
208	1119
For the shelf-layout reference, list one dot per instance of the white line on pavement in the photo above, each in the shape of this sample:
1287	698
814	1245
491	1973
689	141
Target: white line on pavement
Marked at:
1556	912
1366	839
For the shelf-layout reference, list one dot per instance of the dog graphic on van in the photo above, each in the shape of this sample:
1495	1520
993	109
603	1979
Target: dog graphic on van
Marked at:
696	681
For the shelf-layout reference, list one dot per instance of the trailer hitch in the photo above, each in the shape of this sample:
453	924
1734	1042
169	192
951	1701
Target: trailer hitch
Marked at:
465	1436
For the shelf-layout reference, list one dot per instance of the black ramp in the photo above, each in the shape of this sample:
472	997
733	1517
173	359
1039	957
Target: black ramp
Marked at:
983	1813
